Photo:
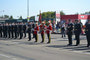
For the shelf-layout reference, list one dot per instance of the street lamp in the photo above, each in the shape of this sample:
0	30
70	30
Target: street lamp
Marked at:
28	10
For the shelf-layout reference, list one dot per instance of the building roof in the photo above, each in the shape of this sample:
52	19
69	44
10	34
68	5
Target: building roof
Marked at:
74	17
3	18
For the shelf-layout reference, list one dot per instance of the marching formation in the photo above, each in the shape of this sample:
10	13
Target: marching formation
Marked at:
20	30
13	30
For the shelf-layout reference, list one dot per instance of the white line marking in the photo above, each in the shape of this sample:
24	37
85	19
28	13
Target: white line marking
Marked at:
7	56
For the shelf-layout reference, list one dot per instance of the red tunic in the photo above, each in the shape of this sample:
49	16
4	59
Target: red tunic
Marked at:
42	29
36	29
49	28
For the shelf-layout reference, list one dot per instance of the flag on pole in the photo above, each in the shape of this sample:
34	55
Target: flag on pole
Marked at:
40	18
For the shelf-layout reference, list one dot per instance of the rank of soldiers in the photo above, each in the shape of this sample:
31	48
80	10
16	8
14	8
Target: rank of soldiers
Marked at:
19	30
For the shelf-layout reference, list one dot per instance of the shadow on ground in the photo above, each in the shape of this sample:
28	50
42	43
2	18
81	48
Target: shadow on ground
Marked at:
71	48
27	43
5	39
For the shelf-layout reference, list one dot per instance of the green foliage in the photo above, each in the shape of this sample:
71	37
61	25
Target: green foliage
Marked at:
1	16
48	15
11	17
86	13
6	16
62	13
32	18
20	18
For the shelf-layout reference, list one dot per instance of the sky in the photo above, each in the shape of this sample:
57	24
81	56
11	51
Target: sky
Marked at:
19	7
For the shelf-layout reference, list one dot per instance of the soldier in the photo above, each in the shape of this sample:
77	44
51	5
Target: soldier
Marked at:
63	30
6	29
3	30
29	31
0	30
15	30
36	29
70	32
12	30
48	31
20	27
33	26
42	31
87	30
24	29
77	31
9	30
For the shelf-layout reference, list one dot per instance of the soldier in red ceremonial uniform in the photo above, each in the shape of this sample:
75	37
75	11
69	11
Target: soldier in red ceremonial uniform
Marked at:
36	29
48	31
42	31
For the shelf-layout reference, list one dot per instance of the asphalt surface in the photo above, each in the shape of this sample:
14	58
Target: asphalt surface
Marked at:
15	49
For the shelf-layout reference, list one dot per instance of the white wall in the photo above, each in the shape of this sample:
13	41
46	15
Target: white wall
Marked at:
83	21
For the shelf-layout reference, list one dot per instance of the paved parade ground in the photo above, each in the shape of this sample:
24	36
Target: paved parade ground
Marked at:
15	49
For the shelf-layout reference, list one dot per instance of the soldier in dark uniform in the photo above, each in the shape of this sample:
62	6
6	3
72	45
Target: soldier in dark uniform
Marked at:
3	30
33	26
70	32
6	29
29	31
15	30
63	30
87	30
24	29
20	27
77	31
9	30
0	30
12	30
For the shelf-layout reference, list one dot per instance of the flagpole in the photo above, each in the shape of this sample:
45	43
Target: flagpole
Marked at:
28	10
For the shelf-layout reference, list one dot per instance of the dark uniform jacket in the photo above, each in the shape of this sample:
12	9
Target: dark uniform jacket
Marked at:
20	27
69	28
1	28
77	28
87	29
24	28
29	28
15	28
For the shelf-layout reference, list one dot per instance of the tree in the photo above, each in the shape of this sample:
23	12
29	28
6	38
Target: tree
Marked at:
6	16
1	16
86	13
11	17
48	15
76	13
20	18
32	18
62	13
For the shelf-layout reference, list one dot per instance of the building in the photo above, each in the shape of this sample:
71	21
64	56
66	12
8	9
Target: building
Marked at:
82	18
